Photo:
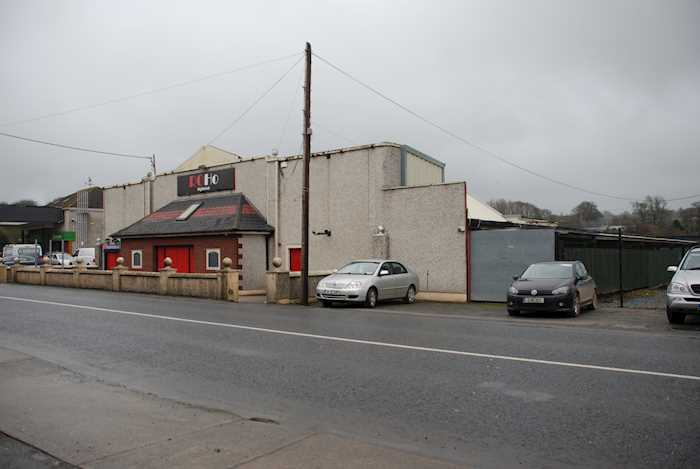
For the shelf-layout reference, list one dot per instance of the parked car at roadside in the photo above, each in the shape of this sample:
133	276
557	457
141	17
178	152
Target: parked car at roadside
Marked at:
553	286
683	293
86	255
62	259
367	282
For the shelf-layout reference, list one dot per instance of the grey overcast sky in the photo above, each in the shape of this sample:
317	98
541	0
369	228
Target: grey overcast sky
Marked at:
601	94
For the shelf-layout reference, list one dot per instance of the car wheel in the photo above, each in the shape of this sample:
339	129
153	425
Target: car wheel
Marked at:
675	317
371	299
513	312
410	295
594	302
576	309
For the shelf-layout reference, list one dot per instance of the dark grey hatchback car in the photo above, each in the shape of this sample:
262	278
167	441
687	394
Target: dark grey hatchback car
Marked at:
553	286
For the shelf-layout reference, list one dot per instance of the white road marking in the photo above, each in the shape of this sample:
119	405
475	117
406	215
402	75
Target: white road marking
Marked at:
365	342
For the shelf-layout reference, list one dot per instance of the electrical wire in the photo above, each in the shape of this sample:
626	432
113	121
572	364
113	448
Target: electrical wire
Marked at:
249	108
478	147
332	132
292	102
151	91
71	147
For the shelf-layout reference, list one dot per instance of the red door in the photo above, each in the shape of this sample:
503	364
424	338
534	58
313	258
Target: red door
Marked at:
111	260
294	259
180	255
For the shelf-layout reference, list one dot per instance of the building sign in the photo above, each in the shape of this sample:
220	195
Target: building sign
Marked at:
63	236
208	181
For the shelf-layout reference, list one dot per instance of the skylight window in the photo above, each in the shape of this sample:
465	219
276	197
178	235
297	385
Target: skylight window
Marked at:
188	212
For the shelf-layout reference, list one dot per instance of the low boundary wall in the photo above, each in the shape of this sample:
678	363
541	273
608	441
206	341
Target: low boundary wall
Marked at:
223	285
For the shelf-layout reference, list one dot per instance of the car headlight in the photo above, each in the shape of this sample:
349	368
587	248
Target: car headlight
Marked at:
677	288
561	290
354	284
513	291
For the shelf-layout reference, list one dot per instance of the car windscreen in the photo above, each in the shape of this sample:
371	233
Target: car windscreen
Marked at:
33	251
536	271
692	261
359	268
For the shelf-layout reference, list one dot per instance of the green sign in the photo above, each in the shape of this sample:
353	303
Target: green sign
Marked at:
64	236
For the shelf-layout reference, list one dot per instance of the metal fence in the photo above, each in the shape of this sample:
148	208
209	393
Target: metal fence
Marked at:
644	260
497	255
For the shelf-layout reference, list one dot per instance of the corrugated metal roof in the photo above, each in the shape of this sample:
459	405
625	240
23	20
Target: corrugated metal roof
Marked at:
478	210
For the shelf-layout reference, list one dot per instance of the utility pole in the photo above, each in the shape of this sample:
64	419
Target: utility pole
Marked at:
305	186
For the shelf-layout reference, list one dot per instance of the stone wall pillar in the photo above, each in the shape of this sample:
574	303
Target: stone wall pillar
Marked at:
116	274
277	287
12	273
230	281
43	268
79	267
3	273
165	272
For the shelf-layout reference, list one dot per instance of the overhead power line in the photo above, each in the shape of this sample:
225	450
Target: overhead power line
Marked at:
71	147
259	98
478	147
151	91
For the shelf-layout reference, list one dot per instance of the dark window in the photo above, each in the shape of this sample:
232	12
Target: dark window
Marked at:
397	268
213	261
136	259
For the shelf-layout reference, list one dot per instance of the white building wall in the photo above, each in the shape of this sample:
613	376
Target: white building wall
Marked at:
253	263
345	198
420	172
123	206
424	225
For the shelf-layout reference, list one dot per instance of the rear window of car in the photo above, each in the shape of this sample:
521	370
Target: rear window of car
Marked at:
547	271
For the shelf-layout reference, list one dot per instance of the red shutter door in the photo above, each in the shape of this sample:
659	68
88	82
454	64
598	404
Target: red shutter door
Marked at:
111	260
294	259
180	255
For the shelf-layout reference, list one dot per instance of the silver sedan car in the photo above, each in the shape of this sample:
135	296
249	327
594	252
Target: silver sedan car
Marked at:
367	282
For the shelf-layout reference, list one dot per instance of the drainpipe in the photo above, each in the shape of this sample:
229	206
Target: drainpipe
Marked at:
278	228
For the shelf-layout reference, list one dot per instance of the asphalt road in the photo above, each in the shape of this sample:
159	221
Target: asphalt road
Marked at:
523	395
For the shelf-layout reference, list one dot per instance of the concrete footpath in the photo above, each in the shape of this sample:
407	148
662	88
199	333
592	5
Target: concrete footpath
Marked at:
81	421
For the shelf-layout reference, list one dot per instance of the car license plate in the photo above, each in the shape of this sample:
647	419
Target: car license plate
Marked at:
331	292
533	299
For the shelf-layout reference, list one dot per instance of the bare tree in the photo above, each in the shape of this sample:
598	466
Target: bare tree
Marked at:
587	213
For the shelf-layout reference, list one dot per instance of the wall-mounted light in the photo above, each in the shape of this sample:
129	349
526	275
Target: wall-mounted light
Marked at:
461	229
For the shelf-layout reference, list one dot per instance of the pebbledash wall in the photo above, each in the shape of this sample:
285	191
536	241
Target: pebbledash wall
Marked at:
355	192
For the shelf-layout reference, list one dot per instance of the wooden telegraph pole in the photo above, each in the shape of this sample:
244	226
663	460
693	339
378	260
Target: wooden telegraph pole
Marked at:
305	187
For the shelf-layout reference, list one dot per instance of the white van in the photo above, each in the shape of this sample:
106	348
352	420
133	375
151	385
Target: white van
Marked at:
87	255
24	252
